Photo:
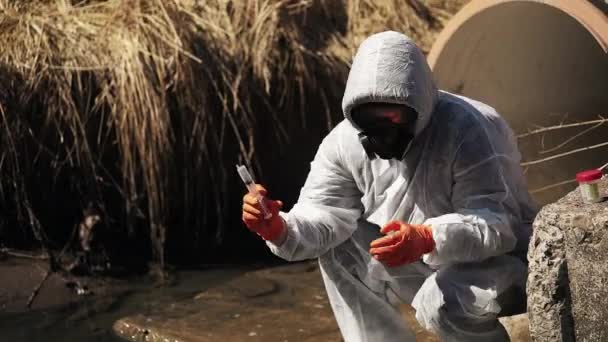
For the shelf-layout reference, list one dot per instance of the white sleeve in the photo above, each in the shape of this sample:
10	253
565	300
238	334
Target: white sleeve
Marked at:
327	209
483	203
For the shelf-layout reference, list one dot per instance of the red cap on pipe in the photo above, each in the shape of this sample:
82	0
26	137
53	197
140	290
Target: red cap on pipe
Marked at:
589	175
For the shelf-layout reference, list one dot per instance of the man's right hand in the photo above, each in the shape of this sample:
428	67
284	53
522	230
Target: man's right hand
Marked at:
272	229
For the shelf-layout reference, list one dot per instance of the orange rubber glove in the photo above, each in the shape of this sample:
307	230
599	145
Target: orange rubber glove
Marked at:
404	243
271	229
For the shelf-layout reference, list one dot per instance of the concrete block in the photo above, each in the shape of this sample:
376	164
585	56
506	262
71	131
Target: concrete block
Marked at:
568	271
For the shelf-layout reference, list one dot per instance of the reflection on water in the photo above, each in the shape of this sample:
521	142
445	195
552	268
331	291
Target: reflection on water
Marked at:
92	319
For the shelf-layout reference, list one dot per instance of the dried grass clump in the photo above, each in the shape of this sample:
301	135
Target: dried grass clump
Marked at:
141	108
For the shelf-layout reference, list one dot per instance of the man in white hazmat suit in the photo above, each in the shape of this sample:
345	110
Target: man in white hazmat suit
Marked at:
416	197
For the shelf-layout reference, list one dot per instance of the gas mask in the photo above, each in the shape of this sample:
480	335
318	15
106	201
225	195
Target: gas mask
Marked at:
387	141
381	136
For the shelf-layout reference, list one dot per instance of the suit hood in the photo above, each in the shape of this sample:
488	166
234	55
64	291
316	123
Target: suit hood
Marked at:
388	67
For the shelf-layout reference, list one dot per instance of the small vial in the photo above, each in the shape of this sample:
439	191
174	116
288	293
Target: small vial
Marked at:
250	184
588	183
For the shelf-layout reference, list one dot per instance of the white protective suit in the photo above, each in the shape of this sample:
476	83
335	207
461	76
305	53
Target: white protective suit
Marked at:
460	175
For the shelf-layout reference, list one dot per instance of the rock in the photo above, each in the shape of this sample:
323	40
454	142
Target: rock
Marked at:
517	327
251	286
58	291
568	271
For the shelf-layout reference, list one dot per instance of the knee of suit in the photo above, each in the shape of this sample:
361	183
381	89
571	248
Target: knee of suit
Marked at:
459	301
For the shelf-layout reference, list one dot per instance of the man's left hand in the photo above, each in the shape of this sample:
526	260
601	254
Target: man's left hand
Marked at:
403	244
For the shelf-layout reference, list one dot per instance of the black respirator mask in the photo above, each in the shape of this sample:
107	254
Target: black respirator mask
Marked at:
387	141
384	138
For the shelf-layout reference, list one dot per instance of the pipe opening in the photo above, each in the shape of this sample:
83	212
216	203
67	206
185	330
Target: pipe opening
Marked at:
539	66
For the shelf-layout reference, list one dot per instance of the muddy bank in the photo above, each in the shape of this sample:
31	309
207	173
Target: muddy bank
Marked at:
59	313
286	303
236	303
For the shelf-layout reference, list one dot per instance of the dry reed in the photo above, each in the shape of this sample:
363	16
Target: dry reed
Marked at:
142	108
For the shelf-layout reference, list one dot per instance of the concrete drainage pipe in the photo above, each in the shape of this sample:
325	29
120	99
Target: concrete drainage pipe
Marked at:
541	64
